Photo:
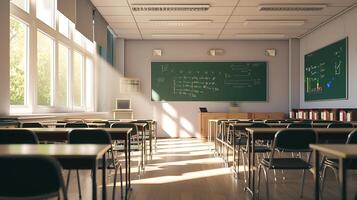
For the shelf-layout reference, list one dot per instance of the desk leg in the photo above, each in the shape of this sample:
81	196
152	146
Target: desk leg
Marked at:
126	151
342	177
104	187
150	136
253	165
144	149
94	180
129	162
317	175
249	162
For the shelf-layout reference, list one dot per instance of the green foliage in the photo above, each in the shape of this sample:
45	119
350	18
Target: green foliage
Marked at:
17	62
44	65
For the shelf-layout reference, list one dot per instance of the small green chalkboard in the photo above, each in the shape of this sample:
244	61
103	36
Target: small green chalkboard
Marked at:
209	81
326	72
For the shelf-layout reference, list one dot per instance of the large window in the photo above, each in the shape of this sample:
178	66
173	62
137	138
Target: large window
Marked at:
45	11
44	68
62	75
51	63
77	78
18	61
23	4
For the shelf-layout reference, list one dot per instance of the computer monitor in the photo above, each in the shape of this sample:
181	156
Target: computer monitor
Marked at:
123	104
203	109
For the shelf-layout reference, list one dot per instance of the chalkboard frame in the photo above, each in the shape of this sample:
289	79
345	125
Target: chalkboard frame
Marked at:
347	72
220	61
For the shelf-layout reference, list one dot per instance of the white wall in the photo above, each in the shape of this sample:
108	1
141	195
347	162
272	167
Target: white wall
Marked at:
180	118
4	58
294	73
344	26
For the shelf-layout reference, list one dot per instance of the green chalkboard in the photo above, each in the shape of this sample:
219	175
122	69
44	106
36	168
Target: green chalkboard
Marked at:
326	72
209	81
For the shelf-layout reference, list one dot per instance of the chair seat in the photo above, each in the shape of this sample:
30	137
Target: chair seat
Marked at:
120	147
110	163
258	149
286	163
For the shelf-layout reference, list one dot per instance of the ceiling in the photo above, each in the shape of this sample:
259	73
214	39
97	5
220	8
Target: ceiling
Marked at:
225	19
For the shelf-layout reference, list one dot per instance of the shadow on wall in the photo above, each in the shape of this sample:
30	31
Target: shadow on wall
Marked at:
170	122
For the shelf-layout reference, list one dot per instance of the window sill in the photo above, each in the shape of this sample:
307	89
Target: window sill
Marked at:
55	115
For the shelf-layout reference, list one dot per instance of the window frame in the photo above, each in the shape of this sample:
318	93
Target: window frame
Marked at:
34	25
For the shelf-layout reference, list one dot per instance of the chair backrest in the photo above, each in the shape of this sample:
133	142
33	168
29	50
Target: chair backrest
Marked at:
30	177
89	136
134	128
259	125
107	123
352	137
340	125
76	125
17	136
294	139
306	121
300	125
273	121
31	125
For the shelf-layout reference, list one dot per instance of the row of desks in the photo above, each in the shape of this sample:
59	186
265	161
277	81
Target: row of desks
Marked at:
83	156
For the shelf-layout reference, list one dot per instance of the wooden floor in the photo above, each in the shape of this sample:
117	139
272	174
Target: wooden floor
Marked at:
185	169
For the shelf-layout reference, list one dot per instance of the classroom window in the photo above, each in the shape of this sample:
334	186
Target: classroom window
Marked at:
59	77
63	24
89	84
45	10
23	4
45	58
18	61
62	75
78	62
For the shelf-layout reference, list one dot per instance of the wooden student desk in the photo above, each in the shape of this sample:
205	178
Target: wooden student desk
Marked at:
269	133
344	153
61	135
71	156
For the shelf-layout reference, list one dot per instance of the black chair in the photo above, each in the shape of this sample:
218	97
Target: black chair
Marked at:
96	136
17	136
289	140
76	125
39	178
31	125
300	125
107	123
340	125
261	147
332	164
135	143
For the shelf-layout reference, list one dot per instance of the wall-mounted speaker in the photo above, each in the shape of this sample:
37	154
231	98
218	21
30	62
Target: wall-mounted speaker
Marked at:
216	52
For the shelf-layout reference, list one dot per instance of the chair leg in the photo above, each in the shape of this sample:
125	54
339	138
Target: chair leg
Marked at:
266	182
115	182
258	184
68	177
244	167
323	178
302	184
79	185
121	182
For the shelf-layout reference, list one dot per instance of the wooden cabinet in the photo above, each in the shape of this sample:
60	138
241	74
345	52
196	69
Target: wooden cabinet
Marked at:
204	117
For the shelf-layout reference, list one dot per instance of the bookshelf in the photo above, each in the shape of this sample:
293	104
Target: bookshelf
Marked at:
324	114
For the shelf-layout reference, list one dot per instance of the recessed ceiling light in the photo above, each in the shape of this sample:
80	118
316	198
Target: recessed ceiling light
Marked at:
291	7
170	7
181	22
274	22
176	35
260	36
